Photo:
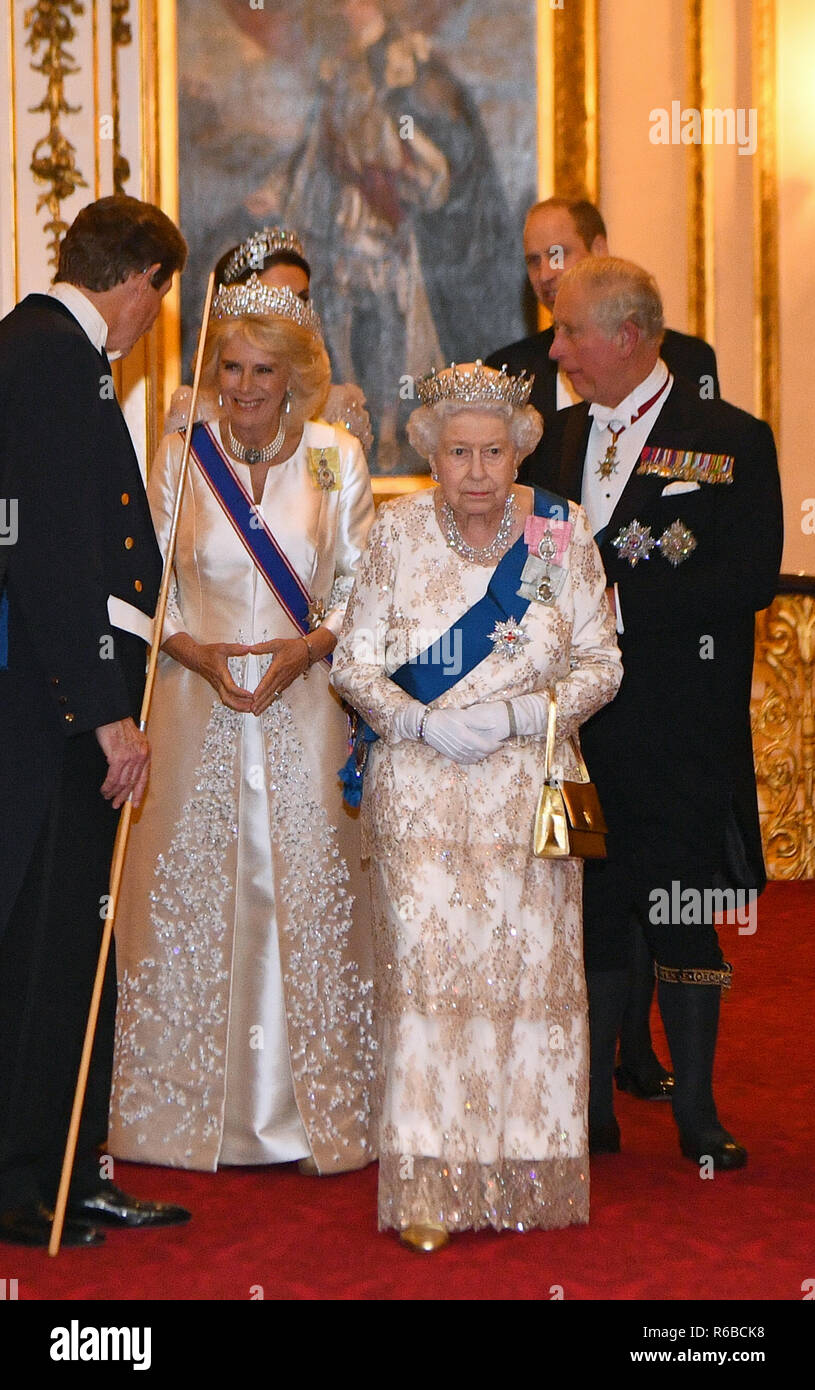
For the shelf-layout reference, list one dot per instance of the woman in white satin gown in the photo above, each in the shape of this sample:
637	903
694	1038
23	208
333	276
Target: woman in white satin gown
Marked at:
243	1030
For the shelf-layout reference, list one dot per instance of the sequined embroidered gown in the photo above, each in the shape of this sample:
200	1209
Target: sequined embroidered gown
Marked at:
479	986
243	947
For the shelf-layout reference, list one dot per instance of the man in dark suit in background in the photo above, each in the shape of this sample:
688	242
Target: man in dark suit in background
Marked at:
558	233
79	586
684	499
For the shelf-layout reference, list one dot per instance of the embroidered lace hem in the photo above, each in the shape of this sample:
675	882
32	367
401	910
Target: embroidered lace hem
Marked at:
512	1194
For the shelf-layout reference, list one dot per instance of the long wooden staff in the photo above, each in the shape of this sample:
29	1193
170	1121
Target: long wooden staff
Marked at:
123	830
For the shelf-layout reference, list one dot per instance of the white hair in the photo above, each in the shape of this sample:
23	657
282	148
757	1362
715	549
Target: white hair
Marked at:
425	425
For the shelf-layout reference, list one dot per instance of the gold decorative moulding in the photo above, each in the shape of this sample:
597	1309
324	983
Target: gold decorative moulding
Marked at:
783	717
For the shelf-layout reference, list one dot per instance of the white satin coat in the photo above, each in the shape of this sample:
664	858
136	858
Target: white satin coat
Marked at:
243	1032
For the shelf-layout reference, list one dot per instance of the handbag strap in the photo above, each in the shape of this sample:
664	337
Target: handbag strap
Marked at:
550	746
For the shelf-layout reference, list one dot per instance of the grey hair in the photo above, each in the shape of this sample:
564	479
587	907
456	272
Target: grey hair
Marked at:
622	292
424	426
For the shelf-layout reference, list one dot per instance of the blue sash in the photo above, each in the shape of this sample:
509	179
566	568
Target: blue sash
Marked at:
427	676
246	521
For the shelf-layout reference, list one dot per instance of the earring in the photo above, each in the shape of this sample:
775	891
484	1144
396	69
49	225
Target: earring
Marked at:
287	402
220	400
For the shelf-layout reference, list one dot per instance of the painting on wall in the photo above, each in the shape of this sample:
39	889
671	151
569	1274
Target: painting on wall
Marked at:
399	140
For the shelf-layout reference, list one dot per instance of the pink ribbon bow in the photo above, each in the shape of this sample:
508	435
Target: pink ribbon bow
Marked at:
560	531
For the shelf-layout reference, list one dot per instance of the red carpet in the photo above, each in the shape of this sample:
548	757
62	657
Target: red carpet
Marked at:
657	1231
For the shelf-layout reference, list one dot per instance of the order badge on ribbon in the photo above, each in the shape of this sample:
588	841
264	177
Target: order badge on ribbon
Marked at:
544	572
324	467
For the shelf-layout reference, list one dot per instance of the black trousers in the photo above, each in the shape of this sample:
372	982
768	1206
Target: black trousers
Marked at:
48	953
677	923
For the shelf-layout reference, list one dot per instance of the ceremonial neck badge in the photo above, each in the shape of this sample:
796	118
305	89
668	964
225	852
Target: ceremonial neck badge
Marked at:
609	461
608	464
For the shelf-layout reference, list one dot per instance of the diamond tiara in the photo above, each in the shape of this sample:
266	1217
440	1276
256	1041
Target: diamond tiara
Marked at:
253	297
252	252
475	384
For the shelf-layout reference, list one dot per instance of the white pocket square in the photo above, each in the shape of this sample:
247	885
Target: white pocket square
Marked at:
673	488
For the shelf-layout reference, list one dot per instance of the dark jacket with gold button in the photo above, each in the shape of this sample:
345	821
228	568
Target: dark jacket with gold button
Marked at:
84	533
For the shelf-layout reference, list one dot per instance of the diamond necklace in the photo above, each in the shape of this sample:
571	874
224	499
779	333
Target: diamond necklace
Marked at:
264	455
497	545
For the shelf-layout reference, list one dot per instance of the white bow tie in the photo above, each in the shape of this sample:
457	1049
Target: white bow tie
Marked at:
604	416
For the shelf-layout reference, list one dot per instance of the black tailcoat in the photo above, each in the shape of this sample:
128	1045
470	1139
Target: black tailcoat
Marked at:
84	533
691	358
672	753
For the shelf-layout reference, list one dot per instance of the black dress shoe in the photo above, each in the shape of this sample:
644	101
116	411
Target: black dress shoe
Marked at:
31	1225
604	1139
656	1087
719	1146
115	1208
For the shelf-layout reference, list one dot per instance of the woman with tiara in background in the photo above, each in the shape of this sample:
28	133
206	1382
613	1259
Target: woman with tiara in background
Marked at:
276	256
243	1033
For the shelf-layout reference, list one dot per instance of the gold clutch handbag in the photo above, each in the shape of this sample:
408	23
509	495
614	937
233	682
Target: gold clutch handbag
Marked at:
569	821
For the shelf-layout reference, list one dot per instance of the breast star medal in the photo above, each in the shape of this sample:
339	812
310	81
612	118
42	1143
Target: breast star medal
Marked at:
676	543
634	543
324	466
508	638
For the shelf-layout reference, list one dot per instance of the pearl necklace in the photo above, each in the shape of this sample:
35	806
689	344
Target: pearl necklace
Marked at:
476	555
264	455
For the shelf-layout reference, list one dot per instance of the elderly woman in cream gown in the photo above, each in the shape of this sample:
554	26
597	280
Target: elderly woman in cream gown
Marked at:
479	984
244	1028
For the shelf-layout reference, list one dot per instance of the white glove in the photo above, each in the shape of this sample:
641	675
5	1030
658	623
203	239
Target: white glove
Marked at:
490	719
450	733
531	714
406	724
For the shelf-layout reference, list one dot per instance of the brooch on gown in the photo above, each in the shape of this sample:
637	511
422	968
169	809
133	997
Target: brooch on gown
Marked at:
324	467
508	637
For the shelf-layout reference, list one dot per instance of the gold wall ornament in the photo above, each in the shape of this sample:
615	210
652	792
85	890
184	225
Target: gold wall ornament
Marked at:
575	127
783	718
700	176
121	35
52	161
765	228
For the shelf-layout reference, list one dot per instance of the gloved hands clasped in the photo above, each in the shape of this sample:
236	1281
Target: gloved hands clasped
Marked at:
468	735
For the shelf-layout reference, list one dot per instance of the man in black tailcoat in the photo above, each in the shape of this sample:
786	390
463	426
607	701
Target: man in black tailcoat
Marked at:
79	578
558	233
684	499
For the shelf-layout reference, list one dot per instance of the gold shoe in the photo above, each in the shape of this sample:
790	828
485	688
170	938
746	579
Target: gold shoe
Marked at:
308	1167
428	1237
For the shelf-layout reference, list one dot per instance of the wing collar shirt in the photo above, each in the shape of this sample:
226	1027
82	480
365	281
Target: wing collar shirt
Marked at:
86	314
601	495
